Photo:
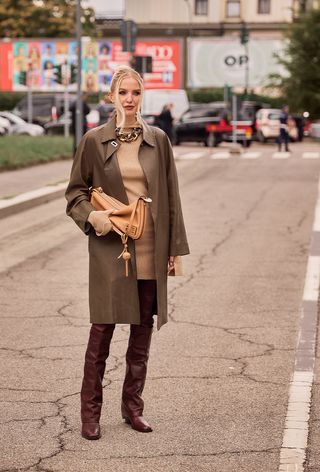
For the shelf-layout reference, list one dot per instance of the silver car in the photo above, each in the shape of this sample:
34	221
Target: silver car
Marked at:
20	127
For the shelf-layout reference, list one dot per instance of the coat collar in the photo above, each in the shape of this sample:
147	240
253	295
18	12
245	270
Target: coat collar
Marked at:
108	133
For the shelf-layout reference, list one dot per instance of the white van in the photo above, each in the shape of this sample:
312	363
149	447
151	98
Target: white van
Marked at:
155	99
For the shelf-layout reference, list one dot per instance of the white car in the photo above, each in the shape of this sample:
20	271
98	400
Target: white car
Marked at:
20	127
4	125
268	125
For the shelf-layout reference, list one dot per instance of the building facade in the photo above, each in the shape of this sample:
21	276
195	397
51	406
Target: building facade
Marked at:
209	32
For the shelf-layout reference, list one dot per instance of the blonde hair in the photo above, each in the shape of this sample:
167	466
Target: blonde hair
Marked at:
120	73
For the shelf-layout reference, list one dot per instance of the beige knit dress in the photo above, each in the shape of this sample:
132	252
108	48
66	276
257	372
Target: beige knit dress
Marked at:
135	184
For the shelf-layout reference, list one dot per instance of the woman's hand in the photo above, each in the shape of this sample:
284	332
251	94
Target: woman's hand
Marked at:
100	221
171	265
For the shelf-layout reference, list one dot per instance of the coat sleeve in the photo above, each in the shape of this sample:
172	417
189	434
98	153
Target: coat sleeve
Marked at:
178	244
77	193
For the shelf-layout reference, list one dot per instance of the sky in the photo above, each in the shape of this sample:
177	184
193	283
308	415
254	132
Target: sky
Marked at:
106	6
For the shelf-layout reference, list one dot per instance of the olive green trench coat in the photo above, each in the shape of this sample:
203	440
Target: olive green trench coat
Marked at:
113	297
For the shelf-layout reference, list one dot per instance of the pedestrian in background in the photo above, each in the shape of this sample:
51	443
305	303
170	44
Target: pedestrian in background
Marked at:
284	128
104	110
85	112
127	158
165	120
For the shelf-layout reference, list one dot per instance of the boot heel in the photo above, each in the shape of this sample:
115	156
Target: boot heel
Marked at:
127	420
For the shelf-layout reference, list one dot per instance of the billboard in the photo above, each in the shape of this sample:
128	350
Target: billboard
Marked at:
215	62
25	63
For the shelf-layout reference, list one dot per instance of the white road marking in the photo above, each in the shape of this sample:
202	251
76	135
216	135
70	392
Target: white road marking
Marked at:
311	287
191	155
281	155
311	155
295	436
316	222
251	155
221	155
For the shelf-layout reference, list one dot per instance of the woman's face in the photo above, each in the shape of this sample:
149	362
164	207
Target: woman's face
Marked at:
129	96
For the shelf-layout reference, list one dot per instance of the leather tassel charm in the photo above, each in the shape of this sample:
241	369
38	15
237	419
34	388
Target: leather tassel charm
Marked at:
126	256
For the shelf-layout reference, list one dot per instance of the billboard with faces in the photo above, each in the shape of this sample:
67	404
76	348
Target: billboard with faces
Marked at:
32	63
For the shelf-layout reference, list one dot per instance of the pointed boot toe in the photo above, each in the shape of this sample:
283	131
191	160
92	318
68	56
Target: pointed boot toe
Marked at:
91	431
138	423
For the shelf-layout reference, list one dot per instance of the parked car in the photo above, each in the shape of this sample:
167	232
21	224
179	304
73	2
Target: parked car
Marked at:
211	124
268	125
4	125
45	107
20	127
55	127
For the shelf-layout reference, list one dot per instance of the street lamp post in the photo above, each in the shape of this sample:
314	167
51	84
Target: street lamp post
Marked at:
187	43
79	108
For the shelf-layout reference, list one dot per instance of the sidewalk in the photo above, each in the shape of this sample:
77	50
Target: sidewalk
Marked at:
25	188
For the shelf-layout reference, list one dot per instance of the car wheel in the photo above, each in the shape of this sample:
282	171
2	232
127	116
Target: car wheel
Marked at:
261	137
211	140
246	143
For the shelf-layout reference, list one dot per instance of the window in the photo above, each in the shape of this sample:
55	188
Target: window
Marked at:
233	9
201	7
264	7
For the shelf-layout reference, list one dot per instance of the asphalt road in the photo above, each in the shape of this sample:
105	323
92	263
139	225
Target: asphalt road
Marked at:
219	371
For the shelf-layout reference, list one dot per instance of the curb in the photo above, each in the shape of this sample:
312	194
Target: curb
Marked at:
25	201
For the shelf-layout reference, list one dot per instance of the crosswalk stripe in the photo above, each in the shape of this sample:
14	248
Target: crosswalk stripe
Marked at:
220	155
311	155
251	155
191	155
281	155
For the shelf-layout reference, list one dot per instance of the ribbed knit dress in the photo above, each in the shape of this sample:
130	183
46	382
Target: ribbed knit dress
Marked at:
135	184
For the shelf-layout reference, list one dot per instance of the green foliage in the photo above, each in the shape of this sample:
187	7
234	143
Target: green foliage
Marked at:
43	18
205	96
216	95
25	151
301	60
9	100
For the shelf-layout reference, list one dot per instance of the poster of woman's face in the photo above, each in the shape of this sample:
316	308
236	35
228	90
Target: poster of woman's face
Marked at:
20	65
105	49
90	49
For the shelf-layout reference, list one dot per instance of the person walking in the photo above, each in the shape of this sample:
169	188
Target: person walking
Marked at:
284	130
165	120
127	158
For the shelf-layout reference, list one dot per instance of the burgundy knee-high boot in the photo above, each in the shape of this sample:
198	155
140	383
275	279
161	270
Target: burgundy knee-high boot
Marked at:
137	359
94	367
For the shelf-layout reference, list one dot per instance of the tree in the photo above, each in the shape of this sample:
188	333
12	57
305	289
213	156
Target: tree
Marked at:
43	18
301	60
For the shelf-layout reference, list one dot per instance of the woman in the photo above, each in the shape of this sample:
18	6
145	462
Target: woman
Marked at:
127	158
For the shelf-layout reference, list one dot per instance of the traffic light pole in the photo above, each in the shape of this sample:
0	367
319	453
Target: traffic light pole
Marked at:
66	75
29	84
246	80
79	108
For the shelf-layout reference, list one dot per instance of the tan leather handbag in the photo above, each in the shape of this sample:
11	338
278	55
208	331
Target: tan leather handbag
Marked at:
127	220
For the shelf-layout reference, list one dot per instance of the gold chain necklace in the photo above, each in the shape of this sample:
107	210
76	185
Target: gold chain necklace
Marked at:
128	136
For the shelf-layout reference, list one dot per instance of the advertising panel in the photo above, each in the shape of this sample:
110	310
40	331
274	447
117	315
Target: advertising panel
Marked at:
215	62
6	66
35	63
